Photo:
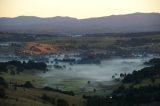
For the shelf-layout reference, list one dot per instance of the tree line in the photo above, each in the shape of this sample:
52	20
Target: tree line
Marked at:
20	66
131	95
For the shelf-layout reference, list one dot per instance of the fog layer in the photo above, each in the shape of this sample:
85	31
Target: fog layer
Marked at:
102	72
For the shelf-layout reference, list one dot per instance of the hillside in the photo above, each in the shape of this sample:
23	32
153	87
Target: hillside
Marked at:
39	48
137	22
139	88
34	97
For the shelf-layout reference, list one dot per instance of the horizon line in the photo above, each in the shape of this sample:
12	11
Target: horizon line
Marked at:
83	18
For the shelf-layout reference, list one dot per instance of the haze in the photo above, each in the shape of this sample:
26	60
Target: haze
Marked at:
75	8
102	72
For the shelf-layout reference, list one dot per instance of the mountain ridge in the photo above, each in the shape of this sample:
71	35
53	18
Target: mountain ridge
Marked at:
136	22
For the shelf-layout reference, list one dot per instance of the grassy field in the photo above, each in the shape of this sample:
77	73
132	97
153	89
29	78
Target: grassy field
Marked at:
147	82
81	87
102	44
78	42
143	83
23	77
86	44
31	97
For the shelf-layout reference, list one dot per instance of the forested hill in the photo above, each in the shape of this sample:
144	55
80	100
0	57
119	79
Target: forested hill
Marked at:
139	88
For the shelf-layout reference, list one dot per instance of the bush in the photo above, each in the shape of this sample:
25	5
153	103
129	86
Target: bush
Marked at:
28	84
18	66
48	88
2	93
3	82
13	72
57	90
46	98
62	102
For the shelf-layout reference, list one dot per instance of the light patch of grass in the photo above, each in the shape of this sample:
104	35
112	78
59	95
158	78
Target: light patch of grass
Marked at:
29	97
23	77
145	82
22	102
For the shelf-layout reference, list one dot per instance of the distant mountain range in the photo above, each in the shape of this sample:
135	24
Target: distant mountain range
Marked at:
136	22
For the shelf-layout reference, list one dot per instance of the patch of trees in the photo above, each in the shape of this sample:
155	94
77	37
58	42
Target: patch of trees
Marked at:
20	66
3	86
133	42
35	65
2	92
59	67
12	37
136	34
84	60
134	96
67	60
96	101
57	90
52	100
3	82
48	99
88	60
147	72
154	61
127	97
131	96
28	84
62	102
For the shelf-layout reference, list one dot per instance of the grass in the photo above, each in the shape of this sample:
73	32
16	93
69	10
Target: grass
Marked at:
31	97
11	101
77	41
23	77
151	36
145	82
79	87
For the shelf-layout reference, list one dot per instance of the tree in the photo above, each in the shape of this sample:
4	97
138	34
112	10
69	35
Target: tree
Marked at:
46	98
53	101
94	90
88	82
2	92
28	84
12	72
152	80
62	102
3	83
11	67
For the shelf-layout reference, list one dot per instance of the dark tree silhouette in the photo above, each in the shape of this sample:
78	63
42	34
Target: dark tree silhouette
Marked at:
28	84
62	102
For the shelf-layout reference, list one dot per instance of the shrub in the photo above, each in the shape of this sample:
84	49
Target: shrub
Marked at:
3	82
62	102
28	84
2	93
46	98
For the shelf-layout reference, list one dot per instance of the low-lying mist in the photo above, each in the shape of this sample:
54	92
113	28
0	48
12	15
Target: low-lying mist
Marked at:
102	72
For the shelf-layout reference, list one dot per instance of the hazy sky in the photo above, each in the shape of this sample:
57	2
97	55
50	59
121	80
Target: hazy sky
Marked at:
75	8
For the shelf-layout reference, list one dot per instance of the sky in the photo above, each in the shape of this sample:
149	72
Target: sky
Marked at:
76	8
